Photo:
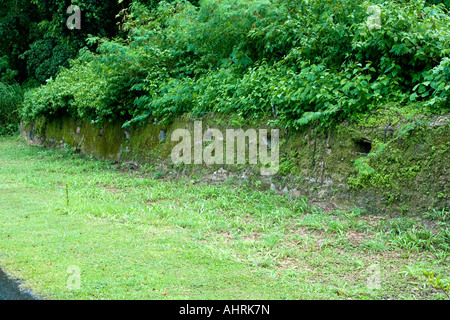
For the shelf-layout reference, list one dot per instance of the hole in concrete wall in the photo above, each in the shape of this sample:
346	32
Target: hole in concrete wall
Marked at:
363	146
31	135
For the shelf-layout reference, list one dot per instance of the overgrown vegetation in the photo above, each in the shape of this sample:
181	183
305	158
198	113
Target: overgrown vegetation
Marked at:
35	43
298	61
34	39
11	97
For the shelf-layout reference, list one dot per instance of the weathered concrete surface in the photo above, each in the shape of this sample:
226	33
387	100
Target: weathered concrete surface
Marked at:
386	163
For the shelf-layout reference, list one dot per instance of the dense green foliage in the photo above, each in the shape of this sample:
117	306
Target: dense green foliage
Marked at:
35	43
10	98
34	39
297	61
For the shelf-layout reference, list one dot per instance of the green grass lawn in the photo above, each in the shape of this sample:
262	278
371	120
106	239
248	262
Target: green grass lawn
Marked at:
136	237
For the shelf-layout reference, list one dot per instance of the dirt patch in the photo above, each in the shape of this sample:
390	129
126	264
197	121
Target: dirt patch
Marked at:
356	237
372	220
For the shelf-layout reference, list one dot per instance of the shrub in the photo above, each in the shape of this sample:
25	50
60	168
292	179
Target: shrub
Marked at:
10	98
297	61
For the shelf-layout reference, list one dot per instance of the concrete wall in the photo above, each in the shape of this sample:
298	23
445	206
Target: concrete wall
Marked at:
384	164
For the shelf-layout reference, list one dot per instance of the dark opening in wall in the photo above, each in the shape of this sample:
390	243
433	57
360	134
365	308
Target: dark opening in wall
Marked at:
363	146
31	132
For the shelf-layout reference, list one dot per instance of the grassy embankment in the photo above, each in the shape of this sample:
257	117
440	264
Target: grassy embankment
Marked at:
137	237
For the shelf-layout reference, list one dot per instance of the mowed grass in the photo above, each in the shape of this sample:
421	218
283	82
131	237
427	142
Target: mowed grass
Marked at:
133	236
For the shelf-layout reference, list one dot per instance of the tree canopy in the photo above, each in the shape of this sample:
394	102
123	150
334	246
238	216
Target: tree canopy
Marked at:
296	61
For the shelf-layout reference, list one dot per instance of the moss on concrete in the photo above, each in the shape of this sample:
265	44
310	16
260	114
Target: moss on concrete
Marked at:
394	159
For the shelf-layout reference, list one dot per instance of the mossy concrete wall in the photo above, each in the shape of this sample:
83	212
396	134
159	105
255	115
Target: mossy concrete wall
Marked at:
386	162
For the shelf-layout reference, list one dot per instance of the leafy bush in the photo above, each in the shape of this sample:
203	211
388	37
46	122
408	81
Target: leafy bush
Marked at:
45	57
298	61
6	74
436	85
10	98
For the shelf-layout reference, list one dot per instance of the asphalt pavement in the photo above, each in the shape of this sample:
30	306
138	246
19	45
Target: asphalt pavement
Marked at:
10	290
